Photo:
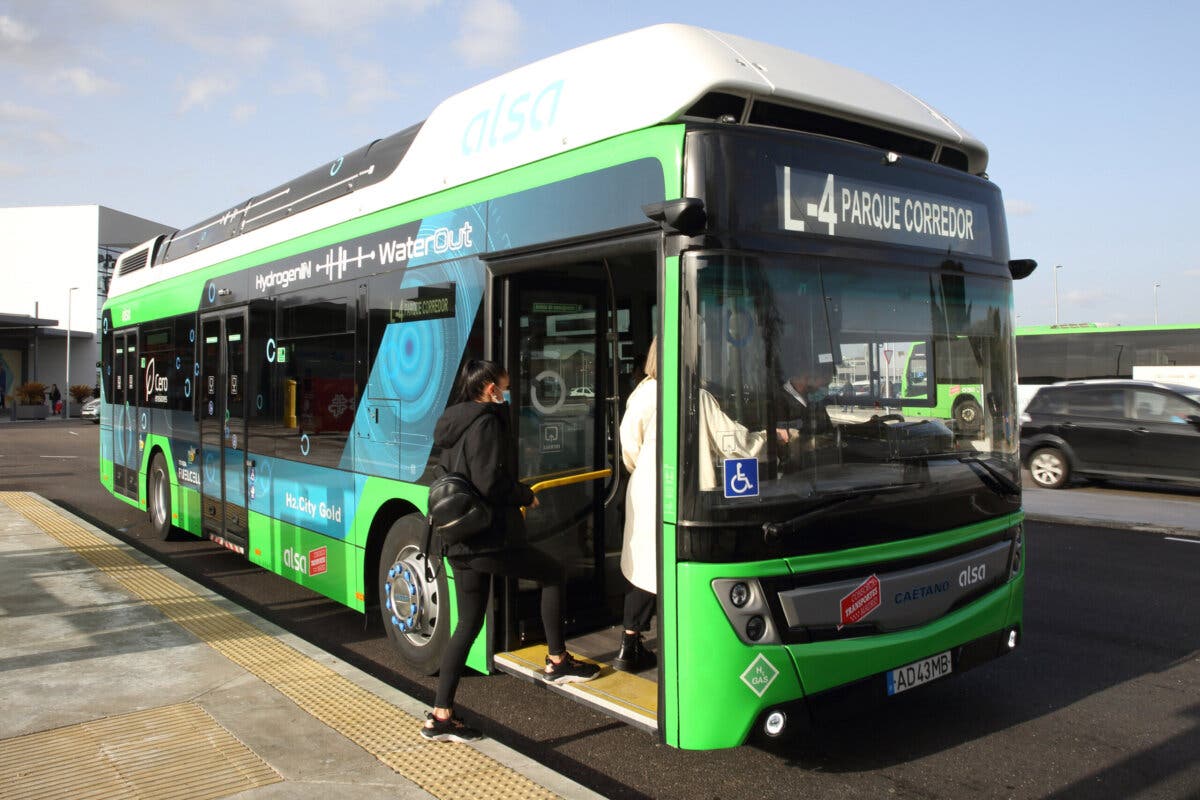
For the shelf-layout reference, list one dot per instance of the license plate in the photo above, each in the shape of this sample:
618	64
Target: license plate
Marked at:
929	669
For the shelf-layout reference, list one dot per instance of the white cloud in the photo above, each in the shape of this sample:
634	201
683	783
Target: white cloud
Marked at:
368	84
200	92
304	79
488	32
82	81
11	112
8	170
324	17
1191	273
1019	208
14	33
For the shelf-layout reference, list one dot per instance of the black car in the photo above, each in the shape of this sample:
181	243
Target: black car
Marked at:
1132	430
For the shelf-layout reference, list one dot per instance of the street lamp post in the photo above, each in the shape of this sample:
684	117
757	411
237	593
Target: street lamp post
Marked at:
1056	269
1156	285
67	388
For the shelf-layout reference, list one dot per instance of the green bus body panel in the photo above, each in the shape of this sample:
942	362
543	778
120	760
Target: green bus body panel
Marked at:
181	295
288	550
1046	330
716	708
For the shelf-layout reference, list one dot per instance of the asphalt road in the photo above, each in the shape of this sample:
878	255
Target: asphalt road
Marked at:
1101	700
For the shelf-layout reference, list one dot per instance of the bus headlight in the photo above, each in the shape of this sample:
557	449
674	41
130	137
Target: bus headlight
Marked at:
739	595
776	721
756	626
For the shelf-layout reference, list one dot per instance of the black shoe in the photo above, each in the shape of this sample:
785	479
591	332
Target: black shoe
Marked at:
448	730
634	657
569	670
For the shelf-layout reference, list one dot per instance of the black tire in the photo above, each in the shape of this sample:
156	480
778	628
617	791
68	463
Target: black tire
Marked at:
418	631
969	416
158	498
1049	468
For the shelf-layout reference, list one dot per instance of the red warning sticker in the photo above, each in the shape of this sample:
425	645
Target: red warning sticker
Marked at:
861	602
317	563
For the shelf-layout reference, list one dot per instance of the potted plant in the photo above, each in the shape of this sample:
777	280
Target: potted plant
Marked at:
30	401
80	394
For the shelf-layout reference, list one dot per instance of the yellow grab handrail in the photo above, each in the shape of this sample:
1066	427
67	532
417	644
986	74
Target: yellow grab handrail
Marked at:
567	480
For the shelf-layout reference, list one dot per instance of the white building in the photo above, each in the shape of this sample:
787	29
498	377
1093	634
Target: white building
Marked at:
57	264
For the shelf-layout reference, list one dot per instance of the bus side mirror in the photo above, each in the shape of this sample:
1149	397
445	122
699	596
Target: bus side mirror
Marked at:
1021	268
685	215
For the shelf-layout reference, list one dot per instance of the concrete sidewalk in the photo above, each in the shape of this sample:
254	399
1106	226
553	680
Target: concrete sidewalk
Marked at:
121	678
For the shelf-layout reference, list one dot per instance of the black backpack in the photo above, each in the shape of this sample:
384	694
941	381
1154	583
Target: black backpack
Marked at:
457	511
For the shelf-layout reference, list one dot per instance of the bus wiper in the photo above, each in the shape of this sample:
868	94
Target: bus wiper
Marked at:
1008	487
774	531
1001	477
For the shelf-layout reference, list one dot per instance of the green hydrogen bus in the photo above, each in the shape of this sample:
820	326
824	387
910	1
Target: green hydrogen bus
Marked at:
271	375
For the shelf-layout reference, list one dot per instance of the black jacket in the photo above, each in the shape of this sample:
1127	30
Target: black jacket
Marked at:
484	452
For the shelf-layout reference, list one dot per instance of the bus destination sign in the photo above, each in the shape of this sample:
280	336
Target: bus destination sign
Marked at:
834	205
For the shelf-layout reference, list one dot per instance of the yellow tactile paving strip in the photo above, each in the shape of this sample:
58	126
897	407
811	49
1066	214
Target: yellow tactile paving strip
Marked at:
176	751
444	770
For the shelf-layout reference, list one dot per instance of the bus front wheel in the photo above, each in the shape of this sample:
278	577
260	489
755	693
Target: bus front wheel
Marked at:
414	608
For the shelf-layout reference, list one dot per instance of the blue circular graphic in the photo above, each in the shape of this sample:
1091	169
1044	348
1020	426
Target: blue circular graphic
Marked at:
304	444
212	293
337	165
210	467
259	402
196	369
270	351
192	335
105	324
412	353
187	387
178	362
143	420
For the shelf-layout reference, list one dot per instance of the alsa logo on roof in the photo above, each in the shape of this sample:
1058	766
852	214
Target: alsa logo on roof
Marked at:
512	119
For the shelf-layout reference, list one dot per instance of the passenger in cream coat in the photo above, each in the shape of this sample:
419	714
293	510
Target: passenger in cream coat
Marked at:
639	445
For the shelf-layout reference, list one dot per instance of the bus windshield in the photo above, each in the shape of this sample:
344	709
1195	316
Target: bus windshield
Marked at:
798	367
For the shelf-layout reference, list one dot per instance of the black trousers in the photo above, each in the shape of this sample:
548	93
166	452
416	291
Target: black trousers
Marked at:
472	586
639	608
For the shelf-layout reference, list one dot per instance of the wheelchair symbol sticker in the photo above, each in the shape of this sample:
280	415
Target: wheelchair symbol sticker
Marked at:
741	477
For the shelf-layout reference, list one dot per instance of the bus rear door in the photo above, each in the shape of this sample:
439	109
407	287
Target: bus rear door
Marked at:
223	428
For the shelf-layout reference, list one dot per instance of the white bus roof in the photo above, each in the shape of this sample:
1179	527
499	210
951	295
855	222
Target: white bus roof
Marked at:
575	98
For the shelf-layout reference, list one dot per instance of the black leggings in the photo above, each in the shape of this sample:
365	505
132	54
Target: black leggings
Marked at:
472	584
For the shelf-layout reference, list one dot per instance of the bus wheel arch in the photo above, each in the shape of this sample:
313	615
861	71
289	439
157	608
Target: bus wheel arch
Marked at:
415	610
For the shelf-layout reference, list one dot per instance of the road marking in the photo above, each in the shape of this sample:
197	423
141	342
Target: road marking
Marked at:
58	456
1179	539
73	433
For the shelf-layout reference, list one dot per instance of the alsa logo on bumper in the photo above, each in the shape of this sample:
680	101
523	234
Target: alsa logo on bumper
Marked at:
315	563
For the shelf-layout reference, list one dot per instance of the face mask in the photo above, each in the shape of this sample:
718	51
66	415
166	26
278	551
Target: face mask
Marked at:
507	395
817	395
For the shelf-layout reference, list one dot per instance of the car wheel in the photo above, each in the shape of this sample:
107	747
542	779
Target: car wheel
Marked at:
415	610
1049	468
158	497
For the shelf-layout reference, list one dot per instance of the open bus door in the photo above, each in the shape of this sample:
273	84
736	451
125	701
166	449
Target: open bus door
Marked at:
573	346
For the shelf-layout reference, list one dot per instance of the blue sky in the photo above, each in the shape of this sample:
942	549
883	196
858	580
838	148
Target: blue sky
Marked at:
176	109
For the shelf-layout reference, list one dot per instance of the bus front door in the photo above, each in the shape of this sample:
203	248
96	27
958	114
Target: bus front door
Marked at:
126	455
559	370
223	429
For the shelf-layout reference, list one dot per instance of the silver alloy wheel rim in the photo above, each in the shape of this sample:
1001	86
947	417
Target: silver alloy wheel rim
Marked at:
402	593
967	413
158	494
1047	469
